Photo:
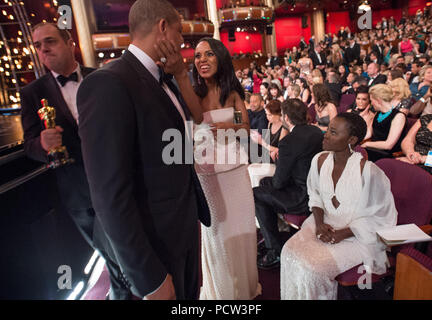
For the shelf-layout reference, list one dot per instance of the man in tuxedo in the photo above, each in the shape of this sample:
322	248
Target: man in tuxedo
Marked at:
59	86
374	76
286	191
148	207
318	59
378	48
415	70
272	61
302	45
373	57
352	52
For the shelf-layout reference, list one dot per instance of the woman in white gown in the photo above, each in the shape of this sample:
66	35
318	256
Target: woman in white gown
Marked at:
229	246
350	199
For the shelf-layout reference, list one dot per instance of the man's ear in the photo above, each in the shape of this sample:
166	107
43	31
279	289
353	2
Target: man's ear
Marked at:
162	26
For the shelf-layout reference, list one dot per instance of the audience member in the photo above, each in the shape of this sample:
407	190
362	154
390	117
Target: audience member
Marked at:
324	107
257	116
388	125
418	143
341	232
286	191
401	95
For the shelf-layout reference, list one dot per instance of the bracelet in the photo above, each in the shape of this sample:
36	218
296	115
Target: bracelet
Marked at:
422	100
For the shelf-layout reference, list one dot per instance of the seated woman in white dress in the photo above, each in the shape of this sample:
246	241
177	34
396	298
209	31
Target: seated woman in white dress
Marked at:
350	199
229	246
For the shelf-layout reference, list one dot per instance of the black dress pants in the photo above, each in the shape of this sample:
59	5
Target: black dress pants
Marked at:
92	231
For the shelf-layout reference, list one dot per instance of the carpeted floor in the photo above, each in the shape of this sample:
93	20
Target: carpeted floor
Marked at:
269	279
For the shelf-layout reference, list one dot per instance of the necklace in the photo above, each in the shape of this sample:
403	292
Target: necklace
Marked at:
382	116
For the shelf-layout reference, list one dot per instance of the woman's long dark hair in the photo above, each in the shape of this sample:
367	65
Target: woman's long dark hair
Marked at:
225	76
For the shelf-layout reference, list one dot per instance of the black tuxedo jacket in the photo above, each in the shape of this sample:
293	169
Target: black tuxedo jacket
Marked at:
379	54
148	209
296	150
380	79
303	45
352	54
313	55
274	61
71	179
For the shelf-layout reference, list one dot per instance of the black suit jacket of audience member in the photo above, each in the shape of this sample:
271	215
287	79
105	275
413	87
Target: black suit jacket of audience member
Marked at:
302	45
148	208
296	150
379	54
258	120
315	60
274	61
343	34
380	79
71	179
352	54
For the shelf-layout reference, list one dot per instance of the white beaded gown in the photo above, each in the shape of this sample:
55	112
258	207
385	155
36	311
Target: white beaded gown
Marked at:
229	245
308	265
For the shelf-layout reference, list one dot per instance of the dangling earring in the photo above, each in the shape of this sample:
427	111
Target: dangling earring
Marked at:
199	80
349	146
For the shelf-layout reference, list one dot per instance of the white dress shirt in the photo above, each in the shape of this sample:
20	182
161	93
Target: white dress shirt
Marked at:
319	57
69	91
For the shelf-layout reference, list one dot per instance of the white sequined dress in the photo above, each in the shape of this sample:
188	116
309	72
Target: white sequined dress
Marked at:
229	246
308	265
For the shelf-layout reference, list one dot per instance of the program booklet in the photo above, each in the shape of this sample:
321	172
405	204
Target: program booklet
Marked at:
402	234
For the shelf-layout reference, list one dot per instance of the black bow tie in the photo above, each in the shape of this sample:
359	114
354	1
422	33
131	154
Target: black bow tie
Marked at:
63	80
164	77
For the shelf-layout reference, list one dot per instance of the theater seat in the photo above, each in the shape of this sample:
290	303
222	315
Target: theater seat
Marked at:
345	101
413	280
295	220
409	185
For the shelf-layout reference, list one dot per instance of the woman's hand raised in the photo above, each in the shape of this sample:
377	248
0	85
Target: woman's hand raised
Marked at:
170	58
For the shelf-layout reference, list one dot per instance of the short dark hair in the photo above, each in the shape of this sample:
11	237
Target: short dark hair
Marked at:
362	89
64	34
401	66
144	14
360	80
356	125
418	63
256	95
296	111
396	73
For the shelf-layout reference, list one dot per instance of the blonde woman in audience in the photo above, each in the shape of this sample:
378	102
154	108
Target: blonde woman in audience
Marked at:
295	91
401	95
387	126
350	199
420	88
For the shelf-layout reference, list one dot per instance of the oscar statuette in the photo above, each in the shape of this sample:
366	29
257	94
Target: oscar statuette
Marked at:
59	156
